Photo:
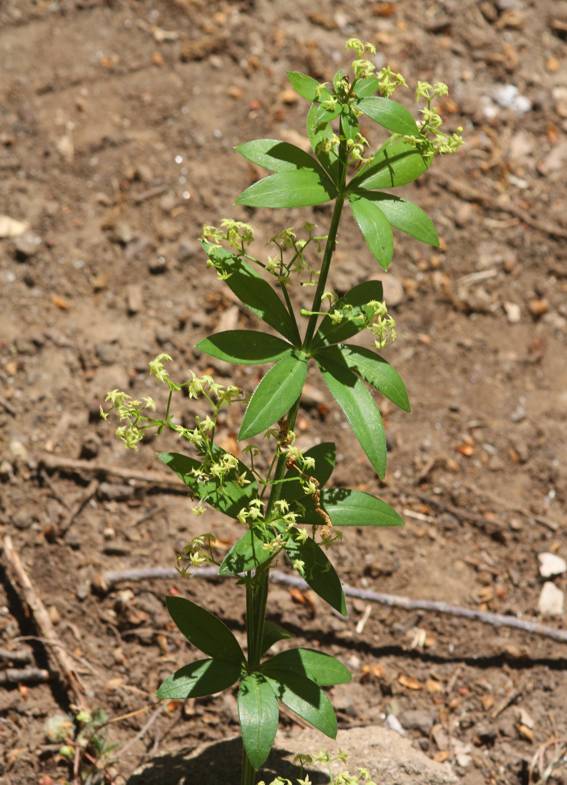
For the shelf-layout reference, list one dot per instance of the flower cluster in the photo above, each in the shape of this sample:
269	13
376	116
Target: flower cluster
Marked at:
432	140
197	552
362	776
236	234
372	316
131	413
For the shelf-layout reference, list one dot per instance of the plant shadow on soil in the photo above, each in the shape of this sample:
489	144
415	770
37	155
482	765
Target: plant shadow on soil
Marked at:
214	766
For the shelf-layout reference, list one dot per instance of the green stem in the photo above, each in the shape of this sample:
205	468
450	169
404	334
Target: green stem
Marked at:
290	310
257	585
248	771
329	249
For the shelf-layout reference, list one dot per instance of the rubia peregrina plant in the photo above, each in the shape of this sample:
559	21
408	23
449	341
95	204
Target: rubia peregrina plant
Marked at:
273	501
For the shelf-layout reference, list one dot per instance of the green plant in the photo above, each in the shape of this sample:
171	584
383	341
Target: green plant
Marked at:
84	744
273	498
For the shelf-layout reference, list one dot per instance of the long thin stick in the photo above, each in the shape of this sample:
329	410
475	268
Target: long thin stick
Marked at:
85	498
108	579
91	467
57	654
470	194
19	657
13	676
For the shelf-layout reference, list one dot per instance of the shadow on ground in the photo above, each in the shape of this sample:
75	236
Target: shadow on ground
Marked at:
215	764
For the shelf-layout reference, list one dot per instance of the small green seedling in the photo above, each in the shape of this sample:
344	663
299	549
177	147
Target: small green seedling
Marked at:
273	499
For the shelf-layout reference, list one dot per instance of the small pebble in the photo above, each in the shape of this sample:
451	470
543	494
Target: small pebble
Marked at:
513	312
551	600
551	565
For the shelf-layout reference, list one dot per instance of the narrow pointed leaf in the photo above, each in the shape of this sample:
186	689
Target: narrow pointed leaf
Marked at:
301	503
319	129
203	630
319	572
359	295
375	229
203	677
405	216
259	714
396	163
228	496
272	634
304	698
389	114
304	85
356	508
274	396
246	554
275	155
244	347
298	188
358	405
377	372
256	293
321	668
325	456
366	87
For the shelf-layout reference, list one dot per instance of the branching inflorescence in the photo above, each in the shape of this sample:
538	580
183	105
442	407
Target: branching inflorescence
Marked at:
284	507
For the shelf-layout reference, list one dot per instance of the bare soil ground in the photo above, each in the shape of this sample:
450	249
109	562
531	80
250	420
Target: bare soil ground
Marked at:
117	123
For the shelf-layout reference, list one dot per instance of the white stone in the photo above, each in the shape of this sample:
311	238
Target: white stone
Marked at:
9	227
513	312
393	723
550	565
551	600
509	97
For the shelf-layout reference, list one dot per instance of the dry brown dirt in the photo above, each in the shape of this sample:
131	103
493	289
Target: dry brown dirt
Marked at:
117	122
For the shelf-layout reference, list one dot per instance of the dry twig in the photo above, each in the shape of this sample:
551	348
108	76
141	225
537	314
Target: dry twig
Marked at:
19	657
469	194
55	463
108	579
14	676
57	654
79	505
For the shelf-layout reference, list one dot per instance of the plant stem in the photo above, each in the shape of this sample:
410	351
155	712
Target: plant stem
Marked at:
329	247
248	771
257	585
325	267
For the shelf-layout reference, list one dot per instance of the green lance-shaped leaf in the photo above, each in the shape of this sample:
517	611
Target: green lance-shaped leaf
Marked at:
244	347
366	87
258	713
359	295
405	216
276	156
274	396
256	293
375	229
389	114
304	85
228	496
272	634
203	630
304	698
298	188
318	572
246	554
321	668
319	129
378	372
203	677
324	455
358	405
356	508
396	163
